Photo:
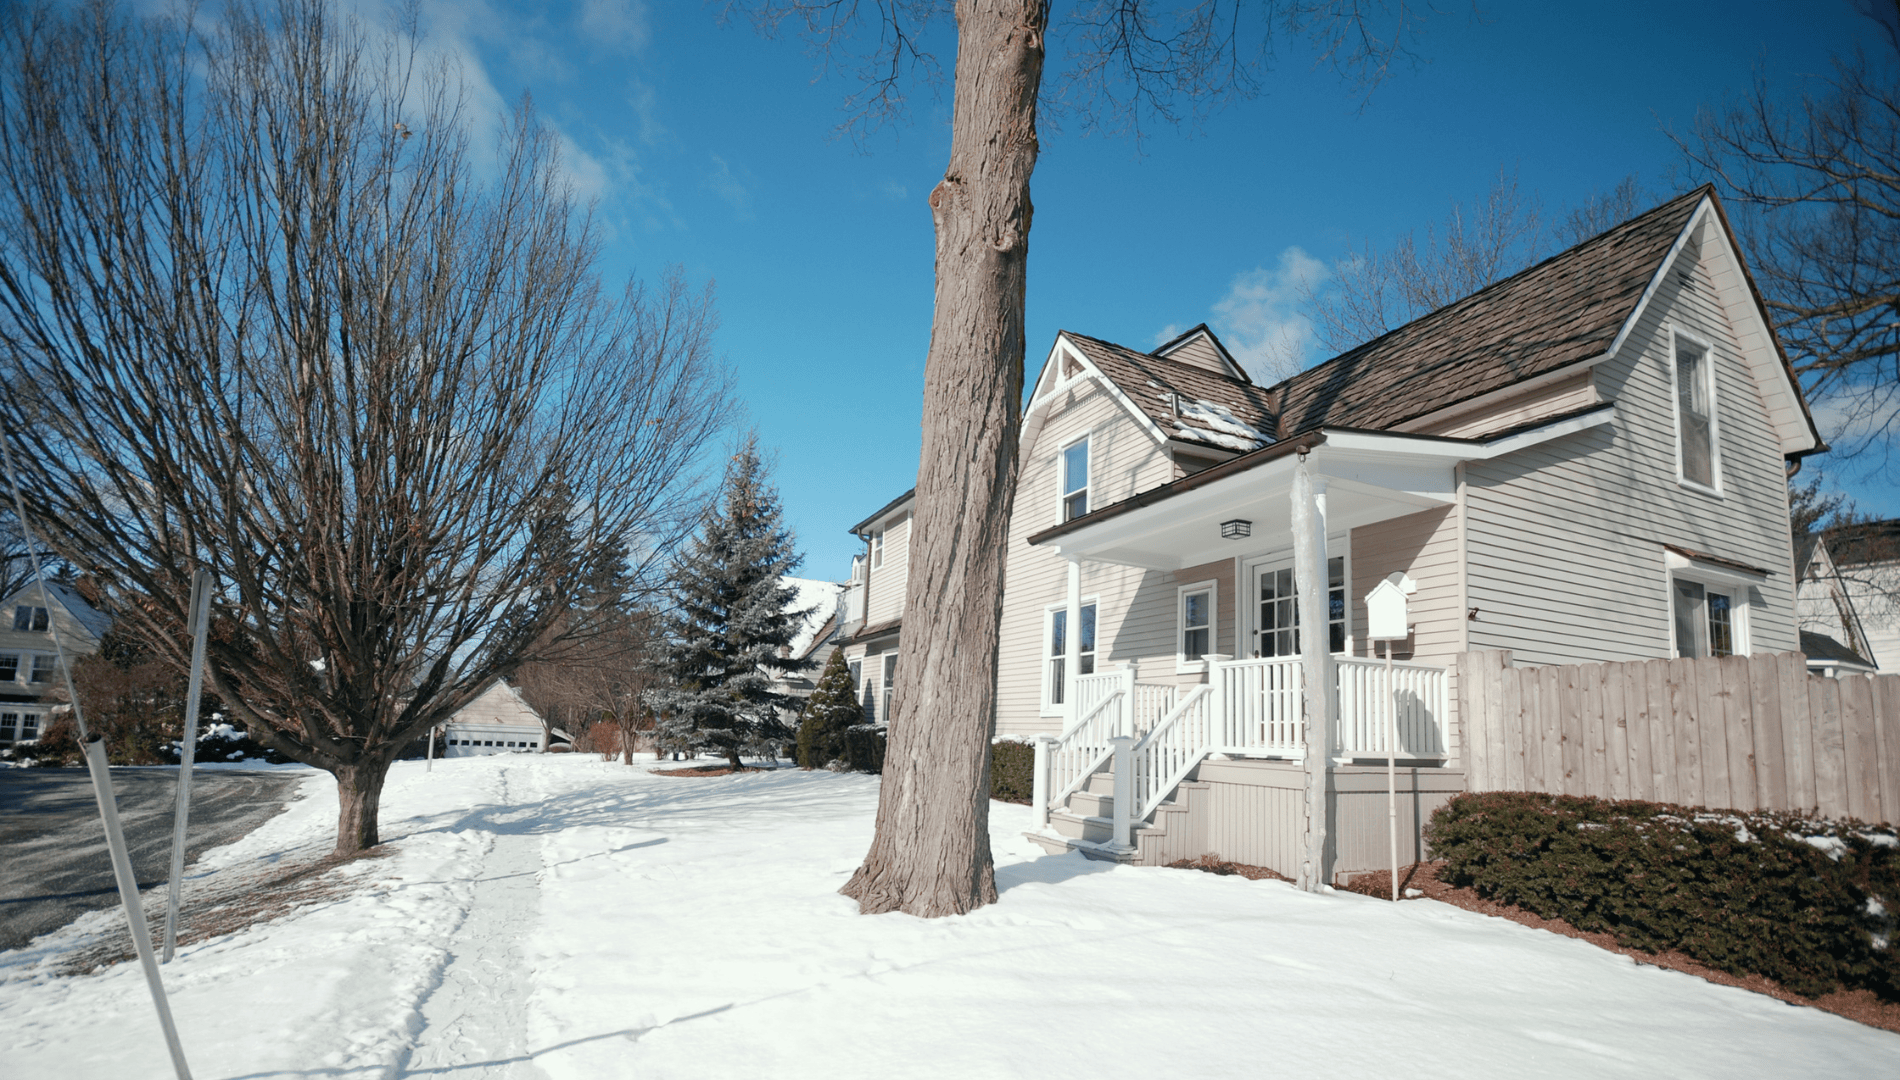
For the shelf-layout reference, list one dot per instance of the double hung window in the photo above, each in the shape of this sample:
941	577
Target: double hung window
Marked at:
1059	649
1197	620
43	668
9	667
890	679
29	620
1075	480
877	549
1695	413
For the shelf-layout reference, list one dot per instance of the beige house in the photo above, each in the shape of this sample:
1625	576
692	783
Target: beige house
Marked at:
872	605
29	667
1585	462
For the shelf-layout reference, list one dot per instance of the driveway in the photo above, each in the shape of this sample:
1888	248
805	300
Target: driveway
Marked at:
55	865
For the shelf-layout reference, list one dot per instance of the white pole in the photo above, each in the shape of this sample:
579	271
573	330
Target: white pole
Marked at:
430	767
1310	579
1391	769
199	620
101	788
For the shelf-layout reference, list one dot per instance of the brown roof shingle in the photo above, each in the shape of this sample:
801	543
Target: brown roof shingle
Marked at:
1565	309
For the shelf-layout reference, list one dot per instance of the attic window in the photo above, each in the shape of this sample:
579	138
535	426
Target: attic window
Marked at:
1696	454
29	620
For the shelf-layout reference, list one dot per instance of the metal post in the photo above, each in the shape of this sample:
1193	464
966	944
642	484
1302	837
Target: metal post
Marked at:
1391	769
1124	789
129	896
430	767
199	621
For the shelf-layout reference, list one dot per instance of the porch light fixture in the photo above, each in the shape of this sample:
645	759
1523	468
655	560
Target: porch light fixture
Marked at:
1236	529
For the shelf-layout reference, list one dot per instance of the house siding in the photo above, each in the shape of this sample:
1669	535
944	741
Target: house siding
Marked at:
1132	603
1565	539
1423	546
1563	396
886	599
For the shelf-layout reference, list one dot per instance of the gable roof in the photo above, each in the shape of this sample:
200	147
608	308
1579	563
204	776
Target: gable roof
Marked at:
94	621
1566	309
1147	380
859	529
1866	542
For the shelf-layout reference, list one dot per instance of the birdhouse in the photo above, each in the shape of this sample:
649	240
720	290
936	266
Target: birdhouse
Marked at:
1387	617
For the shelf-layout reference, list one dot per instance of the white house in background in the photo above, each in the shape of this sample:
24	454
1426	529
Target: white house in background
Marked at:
872	612
821	602
1583	463
498	721
1866	561
1833	636
29	667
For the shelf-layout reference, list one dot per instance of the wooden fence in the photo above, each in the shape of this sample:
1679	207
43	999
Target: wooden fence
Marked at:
1738	732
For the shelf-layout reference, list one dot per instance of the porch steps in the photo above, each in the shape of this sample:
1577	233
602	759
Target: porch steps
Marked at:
1087	824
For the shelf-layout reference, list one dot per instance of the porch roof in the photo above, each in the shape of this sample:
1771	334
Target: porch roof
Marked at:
1370	476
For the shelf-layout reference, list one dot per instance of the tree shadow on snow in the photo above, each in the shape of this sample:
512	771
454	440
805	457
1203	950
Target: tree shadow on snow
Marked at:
1048	870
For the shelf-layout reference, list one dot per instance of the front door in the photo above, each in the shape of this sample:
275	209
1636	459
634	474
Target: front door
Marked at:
1276	609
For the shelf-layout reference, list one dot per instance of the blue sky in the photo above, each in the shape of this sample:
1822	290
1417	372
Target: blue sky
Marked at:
710	146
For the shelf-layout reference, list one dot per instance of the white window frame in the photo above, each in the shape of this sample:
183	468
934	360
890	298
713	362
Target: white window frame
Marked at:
887	675
1050	707
1087	490
31	665
1182	663
1730	583
1677	337
20	663
877	548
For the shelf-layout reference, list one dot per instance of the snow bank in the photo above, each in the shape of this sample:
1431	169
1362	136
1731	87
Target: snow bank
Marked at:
692	927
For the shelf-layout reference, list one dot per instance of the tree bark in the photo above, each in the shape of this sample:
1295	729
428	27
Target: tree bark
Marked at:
359	792
931	852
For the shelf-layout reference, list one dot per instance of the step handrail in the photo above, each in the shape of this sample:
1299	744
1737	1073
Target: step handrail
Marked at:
1071	735
1161	729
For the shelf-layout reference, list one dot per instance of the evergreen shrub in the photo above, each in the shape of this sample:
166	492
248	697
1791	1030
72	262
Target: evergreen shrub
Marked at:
1806	902
832	733
1012	771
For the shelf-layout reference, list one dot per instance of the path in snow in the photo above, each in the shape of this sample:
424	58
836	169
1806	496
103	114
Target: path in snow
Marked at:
473	1020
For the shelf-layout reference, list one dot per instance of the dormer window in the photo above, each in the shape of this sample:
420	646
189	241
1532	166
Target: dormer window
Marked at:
29	620
877	549
1075	480
1697	461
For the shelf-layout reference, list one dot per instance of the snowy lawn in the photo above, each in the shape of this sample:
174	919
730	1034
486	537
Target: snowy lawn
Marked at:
563	917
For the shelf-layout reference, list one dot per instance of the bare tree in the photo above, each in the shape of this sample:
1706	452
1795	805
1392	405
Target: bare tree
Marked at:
599	680
1815	191
262	313
1123	60
1371	292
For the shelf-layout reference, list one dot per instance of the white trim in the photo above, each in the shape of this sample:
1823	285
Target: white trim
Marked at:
1183	665
1656	279
1247	598
1734	584
1676	334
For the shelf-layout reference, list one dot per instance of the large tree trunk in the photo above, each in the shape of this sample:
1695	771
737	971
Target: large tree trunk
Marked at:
931	854
359	792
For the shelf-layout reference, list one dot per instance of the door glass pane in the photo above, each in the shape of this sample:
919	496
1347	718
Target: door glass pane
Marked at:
1721	630
1690	623
1277	633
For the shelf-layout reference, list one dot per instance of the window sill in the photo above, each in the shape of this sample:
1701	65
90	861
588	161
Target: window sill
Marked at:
1703	489
1189	667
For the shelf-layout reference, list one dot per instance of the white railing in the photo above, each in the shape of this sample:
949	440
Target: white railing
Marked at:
1418	693
1083	747
1260	706
1164	757
1246	708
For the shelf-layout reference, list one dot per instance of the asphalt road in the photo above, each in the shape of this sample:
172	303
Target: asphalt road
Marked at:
53	860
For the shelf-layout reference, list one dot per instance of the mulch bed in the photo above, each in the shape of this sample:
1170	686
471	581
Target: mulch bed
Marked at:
1860	1006
1212	865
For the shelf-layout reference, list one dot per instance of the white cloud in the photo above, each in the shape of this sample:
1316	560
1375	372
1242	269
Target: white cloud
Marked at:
1259	319
727	186
616	24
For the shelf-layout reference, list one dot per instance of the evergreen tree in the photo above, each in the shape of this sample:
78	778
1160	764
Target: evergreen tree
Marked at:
730	625
831	711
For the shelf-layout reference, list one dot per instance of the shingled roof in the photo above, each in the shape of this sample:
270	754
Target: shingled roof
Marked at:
1148	380
1565	309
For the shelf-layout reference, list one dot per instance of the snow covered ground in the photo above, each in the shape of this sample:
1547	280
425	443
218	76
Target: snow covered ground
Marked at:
564	917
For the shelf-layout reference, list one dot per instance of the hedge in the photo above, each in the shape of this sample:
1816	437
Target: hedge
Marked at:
1808	903
1012	771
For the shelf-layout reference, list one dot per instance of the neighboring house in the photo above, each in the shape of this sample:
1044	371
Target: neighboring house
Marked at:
1585	462
498	721
29	668
820	601
871	612
1866	560
1833	636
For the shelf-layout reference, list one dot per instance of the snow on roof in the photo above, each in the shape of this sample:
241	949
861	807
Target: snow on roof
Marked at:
819	599
1211	422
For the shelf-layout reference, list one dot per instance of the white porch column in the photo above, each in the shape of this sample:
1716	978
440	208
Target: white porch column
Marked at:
1124	765
1072	643
1039	784
1309	577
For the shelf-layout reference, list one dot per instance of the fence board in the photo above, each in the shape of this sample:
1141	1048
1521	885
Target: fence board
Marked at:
1886	734
1570	697
1550	701
1857	738
1662	731
1497	721
1474	684
1682	702
1771	758
1595	768
1797	719
1830	754
1518	773
1713	744
1616	752
1636	711
1739	721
